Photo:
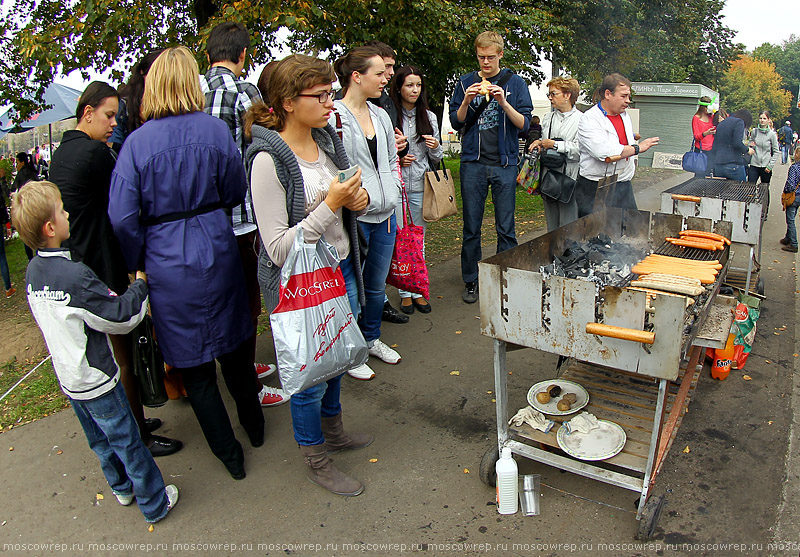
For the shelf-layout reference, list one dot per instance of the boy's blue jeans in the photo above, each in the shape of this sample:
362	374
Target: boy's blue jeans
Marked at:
476	178
127	464
791	229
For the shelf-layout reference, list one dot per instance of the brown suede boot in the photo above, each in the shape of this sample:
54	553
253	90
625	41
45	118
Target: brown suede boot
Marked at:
336	439
325	474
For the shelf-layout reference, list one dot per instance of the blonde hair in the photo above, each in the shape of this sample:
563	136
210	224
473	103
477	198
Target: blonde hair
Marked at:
172	86
489	38
287	79
566	84
33	206
796	156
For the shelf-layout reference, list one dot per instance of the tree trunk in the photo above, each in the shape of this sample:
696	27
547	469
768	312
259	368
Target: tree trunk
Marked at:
204	10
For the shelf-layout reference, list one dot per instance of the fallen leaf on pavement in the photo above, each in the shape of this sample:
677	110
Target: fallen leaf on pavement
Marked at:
488	392
373	460
150	528
747	378
687	449
393	345
466	470
99	497
455	372
770	422
458	332
59	451
11	448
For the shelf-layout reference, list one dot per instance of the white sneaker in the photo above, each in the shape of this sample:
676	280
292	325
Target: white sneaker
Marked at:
380	350
363	372
265	370
172	496
272	396
124	500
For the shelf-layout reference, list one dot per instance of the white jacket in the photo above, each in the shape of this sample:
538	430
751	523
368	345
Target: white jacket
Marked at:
564	125
598	139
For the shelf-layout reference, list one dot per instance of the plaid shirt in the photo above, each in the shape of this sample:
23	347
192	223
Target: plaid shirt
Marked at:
228	98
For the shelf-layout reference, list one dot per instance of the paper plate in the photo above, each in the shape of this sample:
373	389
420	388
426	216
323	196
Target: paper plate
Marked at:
599	444
566	387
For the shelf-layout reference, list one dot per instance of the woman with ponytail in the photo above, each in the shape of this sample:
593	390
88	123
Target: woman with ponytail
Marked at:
368	136
293	159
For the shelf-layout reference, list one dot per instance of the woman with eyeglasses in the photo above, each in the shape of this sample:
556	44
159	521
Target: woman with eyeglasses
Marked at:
560	132
368	137
293	161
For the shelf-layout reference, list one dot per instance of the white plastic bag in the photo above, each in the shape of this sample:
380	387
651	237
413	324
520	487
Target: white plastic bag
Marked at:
315	332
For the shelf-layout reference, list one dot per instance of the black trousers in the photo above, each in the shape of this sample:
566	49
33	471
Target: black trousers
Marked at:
206	400
586	191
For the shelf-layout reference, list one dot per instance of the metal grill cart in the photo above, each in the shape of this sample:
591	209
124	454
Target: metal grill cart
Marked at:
644	388
744	204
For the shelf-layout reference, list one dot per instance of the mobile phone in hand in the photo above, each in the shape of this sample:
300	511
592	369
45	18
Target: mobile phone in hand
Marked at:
346	174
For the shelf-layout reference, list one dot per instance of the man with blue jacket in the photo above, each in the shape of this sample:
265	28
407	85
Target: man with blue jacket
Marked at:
490	107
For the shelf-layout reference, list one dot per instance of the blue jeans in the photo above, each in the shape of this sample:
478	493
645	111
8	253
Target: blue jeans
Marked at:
415	215
127	464
4	264
380	243
321	400
791	229
475	181
730	171
784	152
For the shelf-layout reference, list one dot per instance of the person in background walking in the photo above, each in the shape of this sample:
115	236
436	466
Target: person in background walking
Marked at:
369	139
730	146
228	97
789	241
4	271
703	130
764	143
420	126
785	135
560	129
491	107
293	162
26	172
175	177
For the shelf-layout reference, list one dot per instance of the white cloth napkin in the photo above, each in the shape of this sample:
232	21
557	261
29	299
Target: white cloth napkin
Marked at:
582	423
533	418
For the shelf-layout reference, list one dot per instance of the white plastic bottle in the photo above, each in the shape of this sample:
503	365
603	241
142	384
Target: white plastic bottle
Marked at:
506	469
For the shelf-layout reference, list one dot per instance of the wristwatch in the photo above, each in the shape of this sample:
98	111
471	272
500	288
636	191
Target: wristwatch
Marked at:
635	148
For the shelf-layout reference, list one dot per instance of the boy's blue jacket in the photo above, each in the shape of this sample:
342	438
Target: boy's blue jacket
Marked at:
520	98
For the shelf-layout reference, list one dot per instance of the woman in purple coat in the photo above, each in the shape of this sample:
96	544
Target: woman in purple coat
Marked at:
175	177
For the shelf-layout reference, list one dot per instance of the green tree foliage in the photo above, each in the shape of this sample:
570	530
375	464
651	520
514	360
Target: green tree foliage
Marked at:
645	40
786	58
754	85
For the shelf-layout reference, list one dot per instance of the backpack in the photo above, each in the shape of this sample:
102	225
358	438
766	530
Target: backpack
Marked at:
782	134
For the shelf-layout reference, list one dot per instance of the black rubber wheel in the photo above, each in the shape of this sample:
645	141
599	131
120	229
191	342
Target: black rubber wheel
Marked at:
760	286
487	471
650	515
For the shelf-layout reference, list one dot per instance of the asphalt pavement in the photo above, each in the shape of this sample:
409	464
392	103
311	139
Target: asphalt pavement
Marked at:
734	491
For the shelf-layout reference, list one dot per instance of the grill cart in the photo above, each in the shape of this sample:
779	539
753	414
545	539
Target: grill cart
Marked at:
644	387
744	204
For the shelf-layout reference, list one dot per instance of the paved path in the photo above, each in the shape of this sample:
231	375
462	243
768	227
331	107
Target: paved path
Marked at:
431	430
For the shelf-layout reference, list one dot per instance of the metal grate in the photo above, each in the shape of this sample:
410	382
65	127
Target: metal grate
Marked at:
731	190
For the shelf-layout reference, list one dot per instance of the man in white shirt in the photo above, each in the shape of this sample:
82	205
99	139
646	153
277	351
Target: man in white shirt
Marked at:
607	146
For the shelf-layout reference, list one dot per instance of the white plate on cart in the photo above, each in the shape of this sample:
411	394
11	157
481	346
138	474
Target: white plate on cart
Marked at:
599	444
566	387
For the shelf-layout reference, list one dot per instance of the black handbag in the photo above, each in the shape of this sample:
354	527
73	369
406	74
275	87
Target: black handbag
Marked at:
552	159
148	365
557	186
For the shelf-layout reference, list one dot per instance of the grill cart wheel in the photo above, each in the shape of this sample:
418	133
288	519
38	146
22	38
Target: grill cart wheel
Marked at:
650	515
760	286
487	471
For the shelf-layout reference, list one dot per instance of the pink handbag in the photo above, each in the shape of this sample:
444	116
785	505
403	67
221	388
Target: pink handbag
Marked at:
408	270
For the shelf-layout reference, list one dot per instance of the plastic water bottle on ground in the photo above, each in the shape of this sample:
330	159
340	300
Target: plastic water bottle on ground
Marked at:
507	486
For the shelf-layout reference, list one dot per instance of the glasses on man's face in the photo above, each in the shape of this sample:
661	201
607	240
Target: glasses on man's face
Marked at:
487	58
321	97
551	94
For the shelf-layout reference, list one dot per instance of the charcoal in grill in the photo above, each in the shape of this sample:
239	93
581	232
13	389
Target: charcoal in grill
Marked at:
598	259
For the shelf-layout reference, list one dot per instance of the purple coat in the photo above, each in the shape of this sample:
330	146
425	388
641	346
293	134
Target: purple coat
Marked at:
173	177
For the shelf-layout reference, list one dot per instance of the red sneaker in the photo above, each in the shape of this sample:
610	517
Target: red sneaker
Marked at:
271	396
265	370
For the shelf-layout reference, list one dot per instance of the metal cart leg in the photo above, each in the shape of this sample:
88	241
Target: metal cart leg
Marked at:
749	271
651	453
501	392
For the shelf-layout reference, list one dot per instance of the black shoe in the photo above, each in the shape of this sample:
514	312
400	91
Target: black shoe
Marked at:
791	249
164	446
257	439
422	308
470	294
152	424
784	242
392	315
408	310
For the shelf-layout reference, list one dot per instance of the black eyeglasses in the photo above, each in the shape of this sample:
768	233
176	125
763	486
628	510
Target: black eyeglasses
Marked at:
552	94
321	97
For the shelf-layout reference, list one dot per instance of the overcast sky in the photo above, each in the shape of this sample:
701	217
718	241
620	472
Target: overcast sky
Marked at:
754	23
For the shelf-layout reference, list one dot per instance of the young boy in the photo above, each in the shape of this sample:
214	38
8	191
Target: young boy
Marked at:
75	311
